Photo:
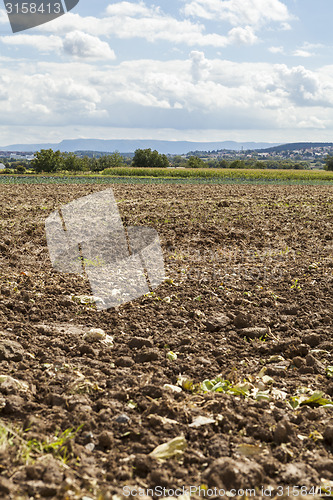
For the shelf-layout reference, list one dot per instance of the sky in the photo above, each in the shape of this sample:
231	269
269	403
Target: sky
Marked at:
202	70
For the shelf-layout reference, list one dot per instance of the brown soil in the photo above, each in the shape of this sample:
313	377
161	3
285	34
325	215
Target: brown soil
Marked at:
249	298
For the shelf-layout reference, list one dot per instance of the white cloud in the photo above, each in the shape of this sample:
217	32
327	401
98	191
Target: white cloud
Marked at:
44	44
311	46
285	26
75	43
276	50
127	20
195	91
130	9
83	45
304	87
244	36
199	66
302	53
239	12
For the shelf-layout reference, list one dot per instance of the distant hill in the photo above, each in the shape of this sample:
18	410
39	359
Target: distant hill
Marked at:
129	146
295	146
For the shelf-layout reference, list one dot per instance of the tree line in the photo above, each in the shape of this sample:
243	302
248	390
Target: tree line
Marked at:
49	161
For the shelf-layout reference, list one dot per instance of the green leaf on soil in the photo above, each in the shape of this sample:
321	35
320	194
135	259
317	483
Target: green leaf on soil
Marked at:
329	371
313	400
263	396
170	449
316	399
172	356
185	383
316	436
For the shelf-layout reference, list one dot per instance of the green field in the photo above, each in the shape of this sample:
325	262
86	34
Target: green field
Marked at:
223	173
178	176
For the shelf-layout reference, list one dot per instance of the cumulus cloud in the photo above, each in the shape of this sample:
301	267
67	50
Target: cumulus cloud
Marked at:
81	44
243	36
199	66
276	50
75	43
44	44
239	12
302	53
130	9
192	92
304	86
127	20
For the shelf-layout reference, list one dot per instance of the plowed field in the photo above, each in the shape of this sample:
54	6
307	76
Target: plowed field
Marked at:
231	357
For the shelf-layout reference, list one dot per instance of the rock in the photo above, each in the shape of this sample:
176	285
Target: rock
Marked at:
55	400
227	473
217	322
325	467
40	489
6	486
223	203
282	432
242	320
298	361
124	361
11	351
139	342
143	464
313	362
10	385
153	391
105	439
146	356
253	332
298	473
312	339
98	335
122	419
87	349
298	350
34	471
14	405
76	401
290	310
328	434
305	370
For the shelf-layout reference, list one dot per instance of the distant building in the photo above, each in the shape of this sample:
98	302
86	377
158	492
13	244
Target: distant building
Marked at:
2	166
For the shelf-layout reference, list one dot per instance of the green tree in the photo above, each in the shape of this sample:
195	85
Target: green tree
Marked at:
47	160
71	162
20	169
223	163
237	164
329	163
178	161
195	162
146	158
115	160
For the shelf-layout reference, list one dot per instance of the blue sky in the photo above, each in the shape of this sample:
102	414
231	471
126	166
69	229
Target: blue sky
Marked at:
247	70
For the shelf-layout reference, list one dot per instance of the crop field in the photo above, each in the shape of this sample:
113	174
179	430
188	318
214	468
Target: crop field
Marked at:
179	176
219	380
